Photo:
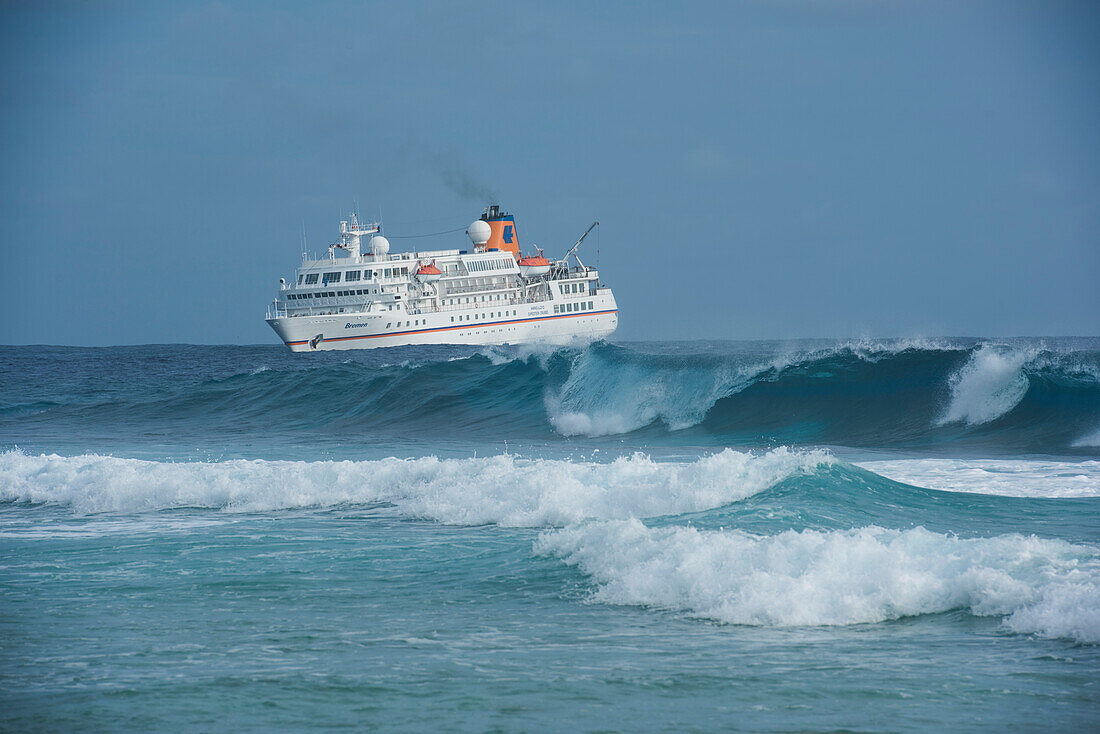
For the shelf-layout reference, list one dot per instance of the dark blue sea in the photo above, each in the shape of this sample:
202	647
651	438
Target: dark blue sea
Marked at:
695	536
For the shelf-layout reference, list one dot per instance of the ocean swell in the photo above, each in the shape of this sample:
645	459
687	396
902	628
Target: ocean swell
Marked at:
867	394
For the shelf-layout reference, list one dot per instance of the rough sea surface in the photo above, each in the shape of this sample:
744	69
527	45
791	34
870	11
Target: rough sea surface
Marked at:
874	535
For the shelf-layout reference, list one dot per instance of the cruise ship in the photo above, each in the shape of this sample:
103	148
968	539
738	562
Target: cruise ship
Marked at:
488	293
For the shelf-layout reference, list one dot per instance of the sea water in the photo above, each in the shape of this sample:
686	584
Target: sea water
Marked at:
886	535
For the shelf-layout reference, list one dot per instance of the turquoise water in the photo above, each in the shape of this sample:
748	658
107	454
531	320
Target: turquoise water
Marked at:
760	536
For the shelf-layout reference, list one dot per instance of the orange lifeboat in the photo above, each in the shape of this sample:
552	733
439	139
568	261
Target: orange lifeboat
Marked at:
428	273
534	265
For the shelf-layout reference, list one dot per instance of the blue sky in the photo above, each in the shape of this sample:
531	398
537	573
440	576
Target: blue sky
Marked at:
761	170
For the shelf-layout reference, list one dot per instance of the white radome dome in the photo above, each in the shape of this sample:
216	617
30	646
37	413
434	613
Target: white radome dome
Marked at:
379	245
479	232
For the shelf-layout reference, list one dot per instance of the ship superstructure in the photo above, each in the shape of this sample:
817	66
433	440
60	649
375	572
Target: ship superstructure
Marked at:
488	293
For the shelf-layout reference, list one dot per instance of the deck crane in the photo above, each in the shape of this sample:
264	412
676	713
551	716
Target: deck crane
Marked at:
573	249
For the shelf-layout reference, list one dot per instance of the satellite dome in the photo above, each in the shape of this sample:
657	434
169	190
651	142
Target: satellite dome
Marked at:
479	232
379	245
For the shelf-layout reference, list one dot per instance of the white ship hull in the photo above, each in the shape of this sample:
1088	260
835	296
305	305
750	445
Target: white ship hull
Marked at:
515	324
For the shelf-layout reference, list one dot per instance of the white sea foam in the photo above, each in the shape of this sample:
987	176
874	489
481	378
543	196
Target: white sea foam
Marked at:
1044	587
1006	477
989	385
501	489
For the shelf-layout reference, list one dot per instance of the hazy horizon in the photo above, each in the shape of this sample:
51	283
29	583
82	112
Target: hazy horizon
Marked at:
832	172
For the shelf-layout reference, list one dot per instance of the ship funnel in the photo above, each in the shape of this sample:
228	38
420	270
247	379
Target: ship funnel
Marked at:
502	228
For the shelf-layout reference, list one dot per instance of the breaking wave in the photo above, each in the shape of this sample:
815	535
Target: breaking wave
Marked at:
1040	586
504	489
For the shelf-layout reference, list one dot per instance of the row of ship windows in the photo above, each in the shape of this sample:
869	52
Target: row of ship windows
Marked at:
475	317
368	291
571	288
350	275
571	307
454	301
330	294
478	316
564	308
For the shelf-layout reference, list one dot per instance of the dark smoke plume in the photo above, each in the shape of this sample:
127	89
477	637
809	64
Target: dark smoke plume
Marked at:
461	183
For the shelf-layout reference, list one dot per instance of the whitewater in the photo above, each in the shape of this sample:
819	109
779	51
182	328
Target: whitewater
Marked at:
895	534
